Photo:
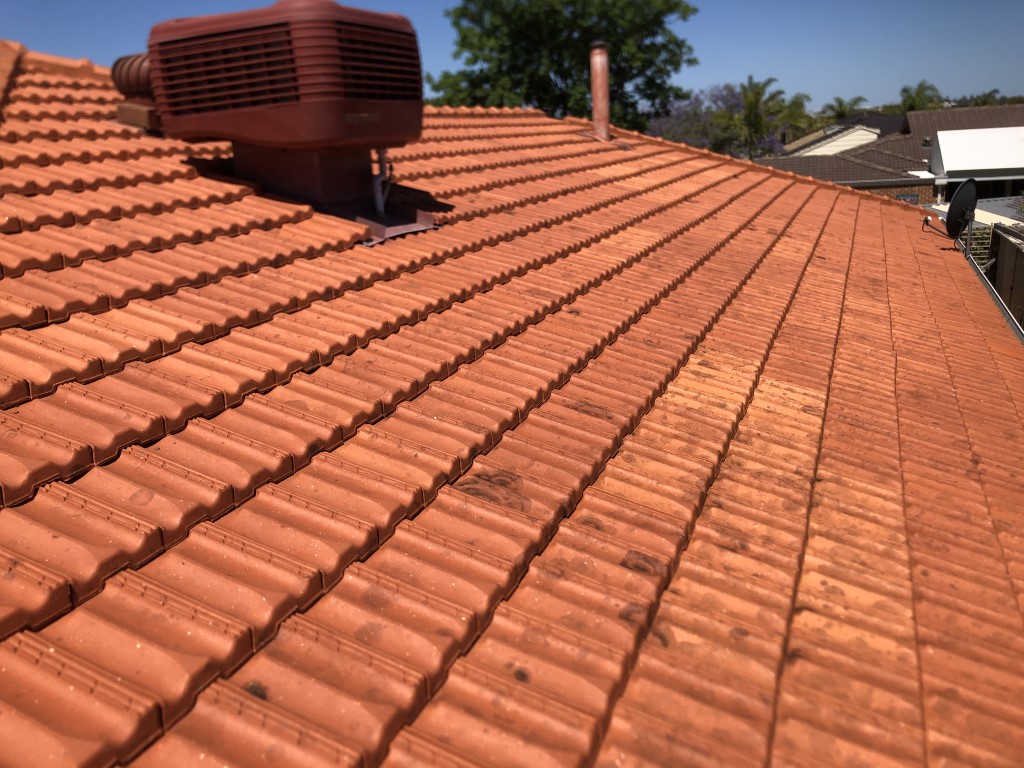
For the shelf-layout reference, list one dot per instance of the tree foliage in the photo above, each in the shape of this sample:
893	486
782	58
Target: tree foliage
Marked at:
755	118
924	95
987	99
707	119
839	108
769	119
751	119
537	53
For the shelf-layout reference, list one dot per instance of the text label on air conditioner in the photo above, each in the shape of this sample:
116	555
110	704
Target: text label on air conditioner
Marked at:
362	118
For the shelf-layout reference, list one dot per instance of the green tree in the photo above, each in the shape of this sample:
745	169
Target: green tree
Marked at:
537	52
987	99
707	119
839	108
768	119
795	121
924	95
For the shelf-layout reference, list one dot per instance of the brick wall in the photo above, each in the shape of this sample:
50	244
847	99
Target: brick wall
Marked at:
925	193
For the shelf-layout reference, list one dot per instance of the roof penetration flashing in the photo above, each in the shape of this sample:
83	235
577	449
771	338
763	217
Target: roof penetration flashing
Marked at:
311	94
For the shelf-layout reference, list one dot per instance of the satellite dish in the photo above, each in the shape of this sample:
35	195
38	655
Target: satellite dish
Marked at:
961	210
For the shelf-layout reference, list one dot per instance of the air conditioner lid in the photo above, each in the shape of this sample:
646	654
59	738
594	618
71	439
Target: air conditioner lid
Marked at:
297	11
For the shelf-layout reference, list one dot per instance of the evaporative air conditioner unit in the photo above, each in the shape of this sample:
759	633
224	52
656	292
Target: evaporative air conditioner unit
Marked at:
305	90
301	74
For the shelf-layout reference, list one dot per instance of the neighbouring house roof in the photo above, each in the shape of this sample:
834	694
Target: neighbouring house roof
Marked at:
644	454
885	124
1008	211
928	122
811	138
899	159
831	140
887	161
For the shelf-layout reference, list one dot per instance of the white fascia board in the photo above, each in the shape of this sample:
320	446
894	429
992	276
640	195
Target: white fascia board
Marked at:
1010	175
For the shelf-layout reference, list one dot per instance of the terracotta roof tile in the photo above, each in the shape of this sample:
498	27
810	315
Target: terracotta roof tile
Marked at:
639	441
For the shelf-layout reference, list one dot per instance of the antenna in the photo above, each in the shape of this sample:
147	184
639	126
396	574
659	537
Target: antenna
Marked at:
960	215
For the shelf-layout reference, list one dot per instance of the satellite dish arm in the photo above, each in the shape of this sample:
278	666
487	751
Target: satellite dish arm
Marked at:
960	215
969	226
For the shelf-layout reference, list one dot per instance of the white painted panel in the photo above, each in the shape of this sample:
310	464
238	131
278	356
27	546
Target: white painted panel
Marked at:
981	149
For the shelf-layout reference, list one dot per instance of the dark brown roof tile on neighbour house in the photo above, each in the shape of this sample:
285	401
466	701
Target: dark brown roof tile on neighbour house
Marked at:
891	159
642	455
927	122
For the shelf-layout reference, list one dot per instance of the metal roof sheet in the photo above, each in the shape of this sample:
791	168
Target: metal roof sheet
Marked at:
979	149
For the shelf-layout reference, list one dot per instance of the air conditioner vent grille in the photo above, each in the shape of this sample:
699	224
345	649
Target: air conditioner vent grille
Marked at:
300	74
229	70
379	64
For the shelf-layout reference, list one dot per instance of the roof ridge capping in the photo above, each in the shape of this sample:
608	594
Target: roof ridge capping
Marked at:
10	53
47	63
751	164
771	170
444	109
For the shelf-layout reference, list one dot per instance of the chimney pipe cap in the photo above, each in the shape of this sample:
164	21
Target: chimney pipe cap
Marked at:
598	44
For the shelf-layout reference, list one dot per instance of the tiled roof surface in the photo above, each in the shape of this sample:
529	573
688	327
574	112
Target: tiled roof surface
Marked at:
886	124
885	160
929	121
643	455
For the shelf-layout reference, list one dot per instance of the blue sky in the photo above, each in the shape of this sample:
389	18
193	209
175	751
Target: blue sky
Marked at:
868	48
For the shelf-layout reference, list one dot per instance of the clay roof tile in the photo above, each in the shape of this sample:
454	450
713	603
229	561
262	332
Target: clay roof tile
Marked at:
638	441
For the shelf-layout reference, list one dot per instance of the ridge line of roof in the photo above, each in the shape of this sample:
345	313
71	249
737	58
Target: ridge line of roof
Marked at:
446	110
62	65
771	169
10	53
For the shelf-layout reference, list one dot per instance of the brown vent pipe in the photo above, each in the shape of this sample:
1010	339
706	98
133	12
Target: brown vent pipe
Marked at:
599	88
131	77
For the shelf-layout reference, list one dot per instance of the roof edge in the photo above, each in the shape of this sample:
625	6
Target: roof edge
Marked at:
59	65
751	164
34	61
910	181
479	111
10	54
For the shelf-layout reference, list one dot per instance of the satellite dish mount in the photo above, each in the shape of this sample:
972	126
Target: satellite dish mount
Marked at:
960	216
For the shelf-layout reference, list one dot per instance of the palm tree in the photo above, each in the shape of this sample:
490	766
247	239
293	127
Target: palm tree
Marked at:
924	95
767	115
794	120
839	108
758	101
987	99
